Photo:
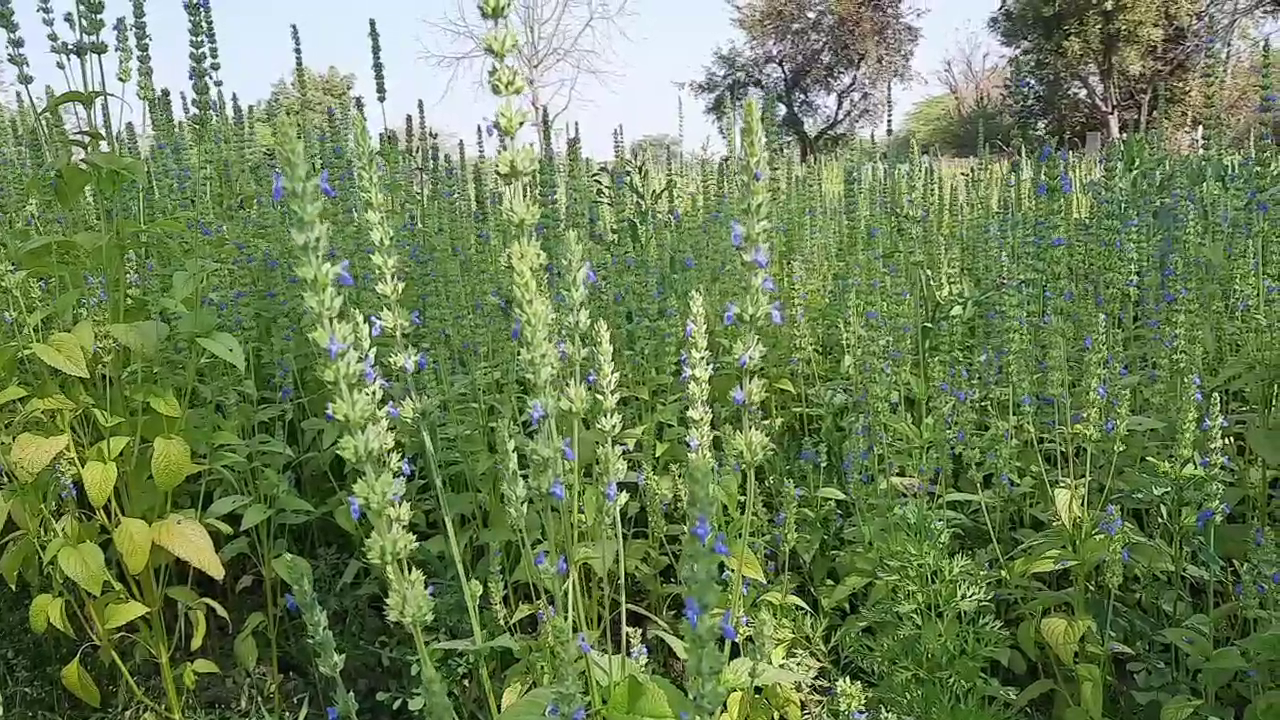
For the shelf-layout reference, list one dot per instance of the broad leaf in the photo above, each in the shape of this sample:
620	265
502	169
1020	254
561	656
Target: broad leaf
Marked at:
99	480
85	566
77	680
63	352
132	538
32	453
224	346
189	541
122	613
170	461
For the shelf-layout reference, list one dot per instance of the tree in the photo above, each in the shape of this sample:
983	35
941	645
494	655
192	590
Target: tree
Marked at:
1117	56
827	64
330	90
562	44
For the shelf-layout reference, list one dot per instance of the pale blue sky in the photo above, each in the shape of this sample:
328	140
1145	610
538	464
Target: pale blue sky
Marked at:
669	41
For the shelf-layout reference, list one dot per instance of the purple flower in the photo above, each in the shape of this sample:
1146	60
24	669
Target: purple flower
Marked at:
567	448
726	626
736	233
739	396
277	186
692	612
325	187
611	492
335	347
415	317
760	256
536	413
562	566
1203	518
540	559
344	274
393	411
1111	521
375	325
515	329
591	275
721	546
701	529
332	713
328	412
557	490
583	645
730	313
768	285
775	312
353	504
290	602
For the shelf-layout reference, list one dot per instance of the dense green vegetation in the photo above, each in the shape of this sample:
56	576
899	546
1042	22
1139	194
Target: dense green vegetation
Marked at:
297	423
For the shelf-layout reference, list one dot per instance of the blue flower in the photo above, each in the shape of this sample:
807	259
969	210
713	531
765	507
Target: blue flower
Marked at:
353	503
375	325
768	285
290	602
760	256
701	529
536	413
325	187
580	713
567	447
730	313
335	347
393	411
515	329
562	566
1111	522
611	492
557	490
739	396
583	645
344	274
721	546
332	712
692	612
726	626
540	559
775	312
1203	517
277	186
591	274
736	233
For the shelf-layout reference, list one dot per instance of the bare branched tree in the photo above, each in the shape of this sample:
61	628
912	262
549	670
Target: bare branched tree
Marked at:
562	44
973	73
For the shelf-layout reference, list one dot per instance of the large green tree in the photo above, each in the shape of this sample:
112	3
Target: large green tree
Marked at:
1119	58
826	65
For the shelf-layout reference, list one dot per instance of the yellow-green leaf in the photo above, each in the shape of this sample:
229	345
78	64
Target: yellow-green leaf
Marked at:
225	346
751	568
122	613
38	613
1062	635
99	480
57	611
189	541
166	405
63	352
11	393
141	337
170	461
77	680
32	453
83	333
85	566
205	667
1067	503
1179	708
132	539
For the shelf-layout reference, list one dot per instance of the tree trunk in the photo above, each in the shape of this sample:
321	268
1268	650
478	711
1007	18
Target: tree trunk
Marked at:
1113	126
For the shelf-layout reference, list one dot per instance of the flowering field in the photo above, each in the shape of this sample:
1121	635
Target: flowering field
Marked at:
295	423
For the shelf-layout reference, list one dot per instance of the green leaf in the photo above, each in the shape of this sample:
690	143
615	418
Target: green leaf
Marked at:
166	405
188	541
750	565
224	505
1265	442
246	650
645	698
170	461
1062	634
32	453
1227	658
1091	689
142	337
83	333
254	515
122	613
58	616
11	393
38	613
1033	691
292	569
99	480
184	283
831	493
225	346
1179	708
85	566
132	538
77	680
532	706
63	352
205	667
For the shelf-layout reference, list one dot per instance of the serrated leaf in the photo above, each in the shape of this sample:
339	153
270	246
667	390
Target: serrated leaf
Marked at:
188	541
225	346
38	613
132	538
63	352
11	393
85	565
1179	708
99	480
1062	634
141	337
170	461
32	453
122	613
77	680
